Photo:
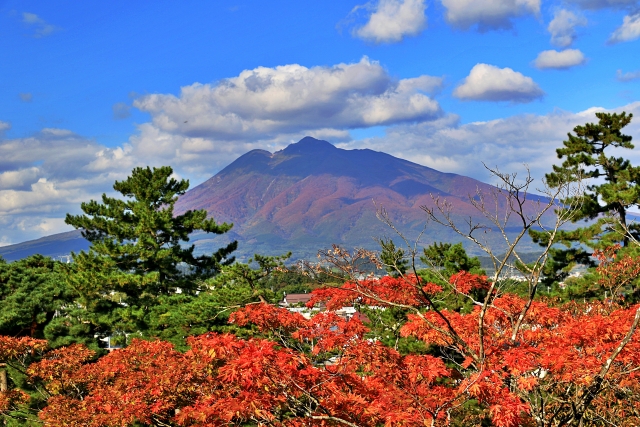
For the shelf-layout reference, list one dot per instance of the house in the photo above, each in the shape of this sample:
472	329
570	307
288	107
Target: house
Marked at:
293	300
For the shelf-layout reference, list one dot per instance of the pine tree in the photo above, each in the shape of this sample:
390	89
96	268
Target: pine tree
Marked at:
394	259
614	188
138	251
31	293
450	259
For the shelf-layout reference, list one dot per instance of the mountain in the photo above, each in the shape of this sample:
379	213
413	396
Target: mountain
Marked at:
311	195
55	246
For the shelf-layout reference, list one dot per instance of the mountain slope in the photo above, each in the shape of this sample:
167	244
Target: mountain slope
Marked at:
309	196
312	194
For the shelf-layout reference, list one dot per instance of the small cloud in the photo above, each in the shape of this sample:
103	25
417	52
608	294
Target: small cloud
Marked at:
628	31
559	60
51	225
26	96
489	83
488	15
562	27
41	27
627	77
4	126
5	241
393	20
121	111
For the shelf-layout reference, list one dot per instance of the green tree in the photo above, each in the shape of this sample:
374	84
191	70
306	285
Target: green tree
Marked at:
138	252
393	258
181	315
614	188
615	182
450	259
32	293
444	260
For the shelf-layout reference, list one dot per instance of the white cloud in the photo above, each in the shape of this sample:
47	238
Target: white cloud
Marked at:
628	76
559	60
49	174
393	20
199	132
14	179
268	101
209	125
447	146
488	14
489	83
628	31
4	126
562	27
40	26
5	241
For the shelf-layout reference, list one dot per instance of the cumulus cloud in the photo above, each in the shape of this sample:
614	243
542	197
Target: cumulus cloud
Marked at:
628	76
268	101
489	83
559	60
48	174
202	130
628	31
270	107
562	27
40	26
488	14
392	20
449	146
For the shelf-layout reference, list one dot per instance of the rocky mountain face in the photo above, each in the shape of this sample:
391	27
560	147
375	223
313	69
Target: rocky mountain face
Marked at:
311	195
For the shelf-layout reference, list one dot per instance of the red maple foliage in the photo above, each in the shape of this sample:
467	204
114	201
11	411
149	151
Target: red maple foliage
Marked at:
515	362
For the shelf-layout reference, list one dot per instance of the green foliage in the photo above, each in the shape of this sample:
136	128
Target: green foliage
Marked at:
385	327
393	258
138	255
450	259
614	189
143	236
181	315
587	156
32	292
443	261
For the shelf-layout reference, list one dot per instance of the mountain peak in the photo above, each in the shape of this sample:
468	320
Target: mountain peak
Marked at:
309	145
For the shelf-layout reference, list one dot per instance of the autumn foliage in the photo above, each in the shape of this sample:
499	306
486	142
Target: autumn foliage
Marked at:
510	362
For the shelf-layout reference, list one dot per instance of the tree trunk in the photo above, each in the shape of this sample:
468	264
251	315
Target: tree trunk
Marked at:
622	212
3	377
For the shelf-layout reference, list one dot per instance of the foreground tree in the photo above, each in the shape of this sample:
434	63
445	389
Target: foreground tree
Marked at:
138	253
32	291
574	365
589	153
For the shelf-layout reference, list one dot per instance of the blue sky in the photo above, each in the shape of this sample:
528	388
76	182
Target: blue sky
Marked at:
89	90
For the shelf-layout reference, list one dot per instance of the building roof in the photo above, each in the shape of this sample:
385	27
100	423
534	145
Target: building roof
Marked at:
292	299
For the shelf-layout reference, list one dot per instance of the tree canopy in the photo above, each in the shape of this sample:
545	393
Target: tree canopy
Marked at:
613	187
138	253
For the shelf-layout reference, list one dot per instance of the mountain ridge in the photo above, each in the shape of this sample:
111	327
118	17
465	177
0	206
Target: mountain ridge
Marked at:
312	194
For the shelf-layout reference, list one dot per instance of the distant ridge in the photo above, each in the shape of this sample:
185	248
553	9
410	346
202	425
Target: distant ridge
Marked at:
305	198
56	245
